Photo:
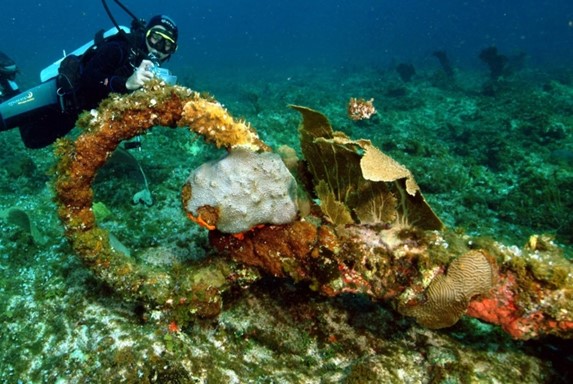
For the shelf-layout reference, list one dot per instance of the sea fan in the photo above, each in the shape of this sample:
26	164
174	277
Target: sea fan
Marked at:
356	182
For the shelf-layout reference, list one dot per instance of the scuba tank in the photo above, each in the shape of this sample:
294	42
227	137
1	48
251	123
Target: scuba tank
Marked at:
51	70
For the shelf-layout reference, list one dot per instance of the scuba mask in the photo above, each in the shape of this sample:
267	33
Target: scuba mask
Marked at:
161	40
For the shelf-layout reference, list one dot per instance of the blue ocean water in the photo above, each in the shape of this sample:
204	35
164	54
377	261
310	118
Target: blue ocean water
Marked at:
281	34
492	157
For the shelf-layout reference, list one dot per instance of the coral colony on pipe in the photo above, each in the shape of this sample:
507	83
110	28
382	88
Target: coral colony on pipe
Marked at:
345	219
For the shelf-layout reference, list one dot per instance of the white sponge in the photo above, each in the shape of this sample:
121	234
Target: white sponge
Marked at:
246	188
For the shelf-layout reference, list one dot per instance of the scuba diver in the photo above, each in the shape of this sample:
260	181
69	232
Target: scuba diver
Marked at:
120	63
8	71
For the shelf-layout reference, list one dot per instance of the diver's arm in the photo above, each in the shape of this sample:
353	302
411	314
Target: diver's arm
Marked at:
139	76
100	75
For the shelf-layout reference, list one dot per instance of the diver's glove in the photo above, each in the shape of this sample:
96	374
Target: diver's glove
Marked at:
139	76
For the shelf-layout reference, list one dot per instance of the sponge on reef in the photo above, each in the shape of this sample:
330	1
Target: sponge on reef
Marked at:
240	191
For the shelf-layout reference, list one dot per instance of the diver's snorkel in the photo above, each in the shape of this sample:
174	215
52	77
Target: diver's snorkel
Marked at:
161	73
134	18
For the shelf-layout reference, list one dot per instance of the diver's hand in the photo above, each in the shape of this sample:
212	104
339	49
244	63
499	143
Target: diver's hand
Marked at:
139	76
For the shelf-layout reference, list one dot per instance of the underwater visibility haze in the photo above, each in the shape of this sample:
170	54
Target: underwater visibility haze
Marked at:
358	191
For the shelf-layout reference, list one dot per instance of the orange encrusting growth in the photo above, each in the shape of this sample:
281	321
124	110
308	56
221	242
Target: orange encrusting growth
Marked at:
201	222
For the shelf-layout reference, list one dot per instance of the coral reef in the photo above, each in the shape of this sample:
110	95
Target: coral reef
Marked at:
483	164
407	267
533	295
398	261
373	232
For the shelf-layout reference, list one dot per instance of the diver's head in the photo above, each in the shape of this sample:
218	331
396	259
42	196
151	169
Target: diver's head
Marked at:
161	37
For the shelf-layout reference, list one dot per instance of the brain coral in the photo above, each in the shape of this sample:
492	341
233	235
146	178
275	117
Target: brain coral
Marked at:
240	191
448	297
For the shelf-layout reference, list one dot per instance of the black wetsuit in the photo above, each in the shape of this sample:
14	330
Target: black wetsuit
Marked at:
103	71
106	71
